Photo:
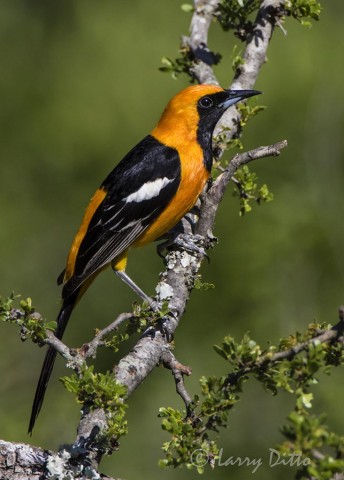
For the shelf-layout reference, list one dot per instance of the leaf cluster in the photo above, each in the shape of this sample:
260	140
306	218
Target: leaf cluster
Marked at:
303	10
276	368
190	445
237	16
98	390
200	285
309	435
32	324
182	64
247	190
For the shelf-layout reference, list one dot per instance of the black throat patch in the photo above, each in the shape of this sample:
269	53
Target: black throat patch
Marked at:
204	138
210	110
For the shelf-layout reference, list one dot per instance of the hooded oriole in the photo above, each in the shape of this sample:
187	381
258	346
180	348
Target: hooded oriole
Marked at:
145	195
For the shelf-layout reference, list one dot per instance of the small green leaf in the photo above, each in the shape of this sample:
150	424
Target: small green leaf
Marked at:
307	400
220	351
199	285
247	190
187	7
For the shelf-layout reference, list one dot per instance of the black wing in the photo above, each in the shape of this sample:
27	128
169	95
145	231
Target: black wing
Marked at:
138	190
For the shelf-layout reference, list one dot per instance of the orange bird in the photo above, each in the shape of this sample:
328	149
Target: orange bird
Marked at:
143	197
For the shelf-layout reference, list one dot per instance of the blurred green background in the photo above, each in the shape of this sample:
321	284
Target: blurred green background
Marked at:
79	86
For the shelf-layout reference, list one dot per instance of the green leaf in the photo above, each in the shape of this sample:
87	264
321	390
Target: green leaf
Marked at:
187	7
199	285
247	190
220	351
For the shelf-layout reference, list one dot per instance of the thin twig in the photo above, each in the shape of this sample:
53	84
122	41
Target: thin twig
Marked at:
211	201
90	349
333	334
59	346
178	371
241	159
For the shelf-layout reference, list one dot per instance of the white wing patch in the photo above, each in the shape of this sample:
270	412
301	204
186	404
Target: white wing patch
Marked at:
148	190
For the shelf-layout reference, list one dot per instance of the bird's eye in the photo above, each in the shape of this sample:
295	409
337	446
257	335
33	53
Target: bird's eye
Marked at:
205	102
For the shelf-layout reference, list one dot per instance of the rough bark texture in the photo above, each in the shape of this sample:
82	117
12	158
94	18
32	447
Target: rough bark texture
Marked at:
19	461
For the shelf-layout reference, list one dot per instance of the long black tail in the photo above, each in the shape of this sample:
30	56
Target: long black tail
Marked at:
49	359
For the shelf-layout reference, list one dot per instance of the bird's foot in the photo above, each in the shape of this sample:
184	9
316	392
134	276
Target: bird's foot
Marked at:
188	242
191	243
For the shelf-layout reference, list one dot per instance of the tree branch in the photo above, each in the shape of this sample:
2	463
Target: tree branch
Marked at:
211	201
59	346
334	334
90	349
19	461
199	27
254	57
178	371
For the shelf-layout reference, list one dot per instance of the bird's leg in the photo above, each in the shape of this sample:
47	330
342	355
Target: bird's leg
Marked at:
154	305
126	279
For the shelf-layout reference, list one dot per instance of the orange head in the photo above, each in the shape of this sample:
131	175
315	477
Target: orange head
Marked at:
192	114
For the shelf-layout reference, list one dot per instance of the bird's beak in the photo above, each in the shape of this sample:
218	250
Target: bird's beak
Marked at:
234	96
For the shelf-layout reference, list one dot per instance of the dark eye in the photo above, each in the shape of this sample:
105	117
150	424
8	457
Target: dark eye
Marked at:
205	102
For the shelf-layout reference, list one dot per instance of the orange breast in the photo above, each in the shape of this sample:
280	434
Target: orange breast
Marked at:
193	178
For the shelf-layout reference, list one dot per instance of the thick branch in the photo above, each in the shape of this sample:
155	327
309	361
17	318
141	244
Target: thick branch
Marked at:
200	23
254	58
257	44
19	461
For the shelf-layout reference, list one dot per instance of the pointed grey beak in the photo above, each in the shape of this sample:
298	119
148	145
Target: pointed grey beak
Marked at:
234	96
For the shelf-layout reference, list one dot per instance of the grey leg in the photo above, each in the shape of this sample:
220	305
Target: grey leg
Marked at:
126	279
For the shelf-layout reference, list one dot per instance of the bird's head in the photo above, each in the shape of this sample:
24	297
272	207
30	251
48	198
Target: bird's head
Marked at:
195	111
